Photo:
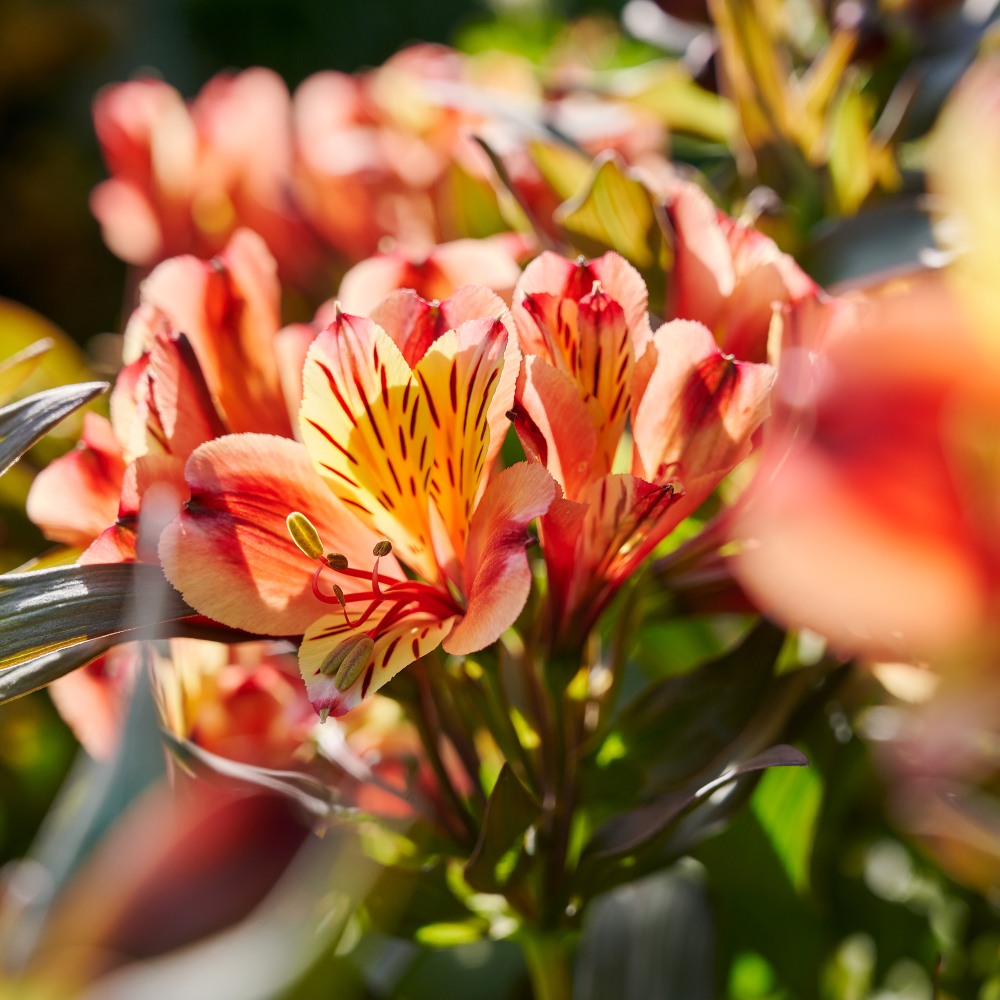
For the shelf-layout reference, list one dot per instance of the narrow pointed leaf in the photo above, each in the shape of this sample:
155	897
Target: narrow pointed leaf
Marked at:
627	833
18	367
315	797
24	422
54	608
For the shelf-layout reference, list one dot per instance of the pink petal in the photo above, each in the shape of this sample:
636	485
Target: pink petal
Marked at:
700	408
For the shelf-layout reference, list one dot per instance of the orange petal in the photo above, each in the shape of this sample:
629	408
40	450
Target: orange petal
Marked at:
91	475
229	553
497	572
557	427
459	376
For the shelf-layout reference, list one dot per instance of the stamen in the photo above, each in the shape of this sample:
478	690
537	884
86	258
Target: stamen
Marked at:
304	534
348	660
336	561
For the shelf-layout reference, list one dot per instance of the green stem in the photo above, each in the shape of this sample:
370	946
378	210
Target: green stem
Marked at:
548	960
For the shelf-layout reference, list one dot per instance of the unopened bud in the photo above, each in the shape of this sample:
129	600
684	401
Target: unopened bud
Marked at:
347	661
304	534
382	548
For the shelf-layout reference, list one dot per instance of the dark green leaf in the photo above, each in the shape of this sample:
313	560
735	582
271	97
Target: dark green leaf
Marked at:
54	608
675	729
650	938
628	832
24	422
510	811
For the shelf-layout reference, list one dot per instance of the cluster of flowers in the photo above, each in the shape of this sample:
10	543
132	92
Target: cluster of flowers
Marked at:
349	165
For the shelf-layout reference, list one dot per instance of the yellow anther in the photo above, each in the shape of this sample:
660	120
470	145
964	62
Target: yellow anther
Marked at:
304	534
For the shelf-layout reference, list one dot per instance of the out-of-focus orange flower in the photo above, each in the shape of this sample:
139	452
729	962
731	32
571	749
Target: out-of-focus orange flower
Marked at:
874	518
198	323
433	274
185	177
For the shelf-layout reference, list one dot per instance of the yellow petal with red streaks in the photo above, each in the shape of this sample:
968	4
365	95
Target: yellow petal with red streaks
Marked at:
398	647
368	429
459	376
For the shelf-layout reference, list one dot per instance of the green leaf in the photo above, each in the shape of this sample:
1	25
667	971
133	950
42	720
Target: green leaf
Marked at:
24	422
674	729
18	367
54	608
650	938
511	809
614	211
311	794
626	833
787	803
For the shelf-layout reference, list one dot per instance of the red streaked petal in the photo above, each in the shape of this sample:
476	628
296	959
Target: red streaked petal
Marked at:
551	400
398	647
696	417
229	552
368	429
593	545
497	572
183	402
459	376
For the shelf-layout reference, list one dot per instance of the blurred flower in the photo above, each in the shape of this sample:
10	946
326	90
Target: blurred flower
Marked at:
405	451
873	519
433	274
727	275
186	177
197	323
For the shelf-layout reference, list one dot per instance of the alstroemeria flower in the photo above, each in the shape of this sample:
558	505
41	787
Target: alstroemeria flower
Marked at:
394	453
727	275
196	322
591	367
873	519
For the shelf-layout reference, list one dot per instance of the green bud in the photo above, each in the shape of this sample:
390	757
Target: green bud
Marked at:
304	534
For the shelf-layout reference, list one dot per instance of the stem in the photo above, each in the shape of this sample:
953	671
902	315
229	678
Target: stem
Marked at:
428	725
547	958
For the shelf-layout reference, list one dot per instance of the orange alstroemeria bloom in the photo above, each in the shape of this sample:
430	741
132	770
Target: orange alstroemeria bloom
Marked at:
593	366
400	429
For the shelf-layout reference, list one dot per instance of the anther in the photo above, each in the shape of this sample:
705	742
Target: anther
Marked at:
337	561
382	548
304	534
348	660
